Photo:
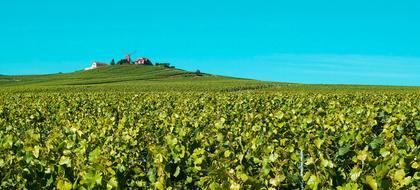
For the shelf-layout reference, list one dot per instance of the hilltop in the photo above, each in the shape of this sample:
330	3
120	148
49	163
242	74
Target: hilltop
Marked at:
130	77
102	75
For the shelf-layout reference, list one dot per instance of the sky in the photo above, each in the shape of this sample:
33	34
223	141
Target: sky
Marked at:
302	41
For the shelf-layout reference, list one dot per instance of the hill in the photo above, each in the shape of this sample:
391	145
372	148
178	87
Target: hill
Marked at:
129	78
141	78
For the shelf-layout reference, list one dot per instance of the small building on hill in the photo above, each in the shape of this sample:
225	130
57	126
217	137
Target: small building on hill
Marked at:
95	65
142	61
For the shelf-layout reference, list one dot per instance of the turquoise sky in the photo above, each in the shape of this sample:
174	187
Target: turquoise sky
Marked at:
306	41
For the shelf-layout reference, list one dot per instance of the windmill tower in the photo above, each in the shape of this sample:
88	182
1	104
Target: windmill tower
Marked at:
128	57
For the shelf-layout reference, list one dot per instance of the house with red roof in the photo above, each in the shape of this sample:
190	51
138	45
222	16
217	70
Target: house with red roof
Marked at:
95	65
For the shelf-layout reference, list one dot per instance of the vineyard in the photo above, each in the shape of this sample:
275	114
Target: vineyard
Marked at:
209	140
142	127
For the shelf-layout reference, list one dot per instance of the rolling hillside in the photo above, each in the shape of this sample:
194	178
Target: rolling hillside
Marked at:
110	74
139	78
130	78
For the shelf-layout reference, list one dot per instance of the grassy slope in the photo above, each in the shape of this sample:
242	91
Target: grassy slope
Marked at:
129	78
109	74
154	78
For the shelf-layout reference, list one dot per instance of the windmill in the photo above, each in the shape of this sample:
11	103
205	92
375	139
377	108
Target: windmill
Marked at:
128	57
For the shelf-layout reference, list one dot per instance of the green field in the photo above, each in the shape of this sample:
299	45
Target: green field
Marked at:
149	127
129	78
134	78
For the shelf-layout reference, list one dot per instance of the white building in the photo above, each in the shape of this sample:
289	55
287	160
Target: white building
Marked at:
95	65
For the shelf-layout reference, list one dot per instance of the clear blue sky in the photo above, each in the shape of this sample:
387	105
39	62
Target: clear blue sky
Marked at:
323	41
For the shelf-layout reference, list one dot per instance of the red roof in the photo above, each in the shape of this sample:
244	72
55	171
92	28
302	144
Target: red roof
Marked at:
100	63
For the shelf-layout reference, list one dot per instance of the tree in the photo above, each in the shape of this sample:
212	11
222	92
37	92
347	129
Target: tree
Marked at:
113	62
198	72
166	65
148	62
122	61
